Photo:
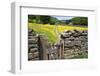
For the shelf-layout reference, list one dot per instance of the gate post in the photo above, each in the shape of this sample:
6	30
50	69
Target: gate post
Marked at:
42	49
62	49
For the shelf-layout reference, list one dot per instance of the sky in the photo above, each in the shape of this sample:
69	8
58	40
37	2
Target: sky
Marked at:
63	17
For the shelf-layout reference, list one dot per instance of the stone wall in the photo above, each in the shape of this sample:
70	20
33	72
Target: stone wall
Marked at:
75	44
33	53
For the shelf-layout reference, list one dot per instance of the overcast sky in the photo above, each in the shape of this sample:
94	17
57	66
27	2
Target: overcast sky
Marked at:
63	17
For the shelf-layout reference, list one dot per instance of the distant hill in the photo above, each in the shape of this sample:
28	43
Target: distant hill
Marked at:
44	19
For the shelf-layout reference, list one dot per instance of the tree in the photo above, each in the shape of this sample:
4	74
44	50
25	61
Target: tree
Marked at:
80	21
44	19
31	18
53	21
38	19
68	21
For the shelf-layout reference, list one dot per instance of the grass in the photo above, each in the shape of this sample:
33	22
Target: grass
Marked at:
49	30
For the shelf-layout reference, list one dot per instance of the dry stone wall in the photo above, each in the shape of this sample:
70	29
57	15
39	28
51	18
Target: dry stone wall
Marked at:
33	53
75	44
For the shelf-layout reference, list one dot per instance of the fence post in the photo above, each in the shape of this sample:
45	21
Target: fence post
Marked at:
62	50
59	51
42	49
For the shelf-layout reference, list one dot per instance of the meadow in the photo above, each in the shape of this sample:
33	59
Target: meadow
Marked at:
52	31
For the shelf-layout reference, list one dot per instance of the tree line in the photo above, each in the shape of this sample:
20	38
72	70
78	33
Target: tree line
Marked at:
43	19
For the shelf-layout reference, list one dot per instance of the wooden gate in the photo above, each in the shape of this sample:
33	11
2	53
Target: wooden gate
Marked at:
48	51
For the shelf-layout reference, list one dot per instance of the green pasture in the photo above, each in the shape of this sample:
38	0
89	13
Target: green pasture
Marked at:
50	30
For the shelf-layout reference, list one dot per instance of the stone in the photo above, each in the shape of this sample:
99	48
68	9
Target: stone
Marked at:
33	40
32	55
32	37
65	35
32	50
33	46
84	34
30	30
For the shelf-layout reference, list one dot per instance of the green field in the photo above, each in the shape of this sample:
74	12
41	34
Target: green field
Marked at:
50	30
